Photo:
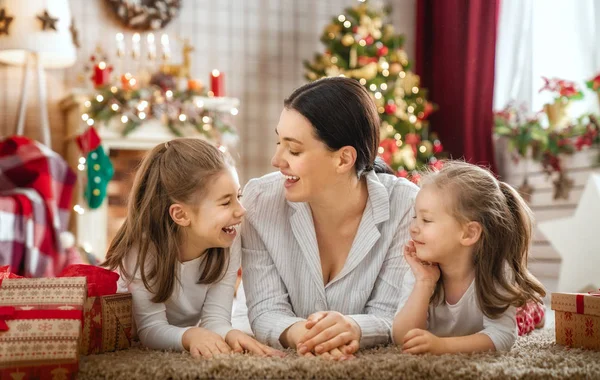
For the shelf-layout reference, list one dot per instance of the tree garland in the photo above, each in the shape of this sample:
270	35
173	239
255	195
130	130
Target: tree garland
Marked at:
150	15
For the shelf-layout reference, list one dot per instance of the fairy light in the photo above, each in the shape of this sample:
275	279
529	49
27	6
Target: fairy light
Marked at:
347	24
199	103
378	95
342	18
142	115
85	116
90	122
362	42
169	94
206	119
422	149
81	167
182	117
380	150
207	127
383	86
87	104
115	107
124	119
398	136
373	87
99	98
363	81
114	89
385	73
234	111
78	209
415	90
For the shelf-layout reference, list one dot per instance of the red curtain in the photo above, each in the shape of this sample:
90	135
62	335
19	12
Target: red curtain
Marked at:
455	52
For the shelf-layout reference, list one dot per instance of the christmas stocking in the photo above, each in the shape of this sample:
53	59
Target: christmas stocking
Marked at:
99	167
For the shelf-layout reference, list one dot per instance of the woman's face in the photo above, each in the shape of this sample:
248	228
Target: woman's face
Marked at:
305	161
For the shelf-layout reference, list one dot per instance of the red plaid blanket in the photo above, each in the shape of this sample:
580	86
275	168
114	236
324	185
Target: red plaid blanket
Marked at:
36	186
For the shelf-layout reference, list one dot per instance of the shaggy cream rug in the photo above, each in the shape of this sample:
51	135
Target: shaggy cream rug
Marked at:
533	357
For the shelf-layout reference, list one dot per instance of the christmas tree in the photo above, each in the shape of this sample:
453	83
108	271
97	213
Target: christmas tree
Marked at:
360	45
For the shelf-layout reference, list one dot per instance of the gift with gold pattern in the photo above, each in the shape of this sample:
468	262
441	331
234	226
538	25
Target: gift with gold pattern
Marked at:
107	323
577	319
40	326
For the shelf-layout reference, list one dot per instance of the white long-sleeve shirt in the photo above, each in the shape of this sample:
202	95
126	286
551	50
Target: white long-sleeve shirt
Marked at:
466	318
282	270
162	325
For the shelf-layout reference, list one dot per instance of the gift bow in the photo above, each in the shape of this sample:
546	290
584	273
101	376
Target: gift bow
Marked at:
100	281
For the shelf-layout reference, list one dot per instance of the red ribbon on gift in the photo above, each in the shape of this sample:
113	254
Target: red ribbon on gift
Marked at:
10	312
579	303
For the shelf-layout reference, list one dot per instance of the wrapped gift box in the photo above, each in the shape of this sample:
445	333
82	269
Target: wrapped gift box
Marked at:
40	327
107	324
577	319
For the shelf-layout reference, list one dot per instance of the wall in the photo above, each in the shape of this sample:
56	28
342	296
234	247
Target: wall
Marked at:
258	44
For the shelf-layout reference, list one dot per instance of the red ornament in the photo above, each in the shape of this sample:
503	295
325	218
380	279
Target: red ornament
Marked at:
437	147
216	83
437	165
402	173
390	109
382	51
415	178
364	60
389	148
369	40
427	110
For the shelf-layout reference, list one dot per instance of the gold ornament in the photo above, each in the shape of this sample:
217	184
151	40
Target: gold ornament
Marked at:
368	72
395	68
388	30
347	40
333	28
426	147
311	75
407	157
410	81
557	113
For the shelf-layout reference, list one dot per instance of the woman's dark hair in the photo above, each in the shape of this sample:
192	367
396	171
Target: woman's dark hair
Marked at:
343	114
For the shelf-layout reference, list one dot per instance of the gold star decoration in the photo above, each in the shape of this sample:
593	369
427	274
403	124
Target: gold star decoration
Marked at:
4	22
48	22
562	187
74	34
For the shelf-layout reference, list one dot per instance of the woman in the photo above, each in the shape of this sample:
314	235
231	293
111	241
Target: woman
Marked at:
322	242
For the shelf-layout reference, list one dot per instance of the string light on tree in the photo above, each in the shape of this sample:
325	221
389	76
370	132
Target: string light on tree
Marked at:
360	45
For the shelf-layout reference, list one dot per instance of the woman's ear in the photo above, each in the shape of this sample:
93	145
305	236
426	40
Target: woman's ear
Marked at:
471	233
179	215
346	159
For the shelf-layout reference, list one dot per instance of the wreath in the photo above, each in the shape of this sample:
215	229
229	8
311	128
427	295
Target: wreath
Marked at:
147	14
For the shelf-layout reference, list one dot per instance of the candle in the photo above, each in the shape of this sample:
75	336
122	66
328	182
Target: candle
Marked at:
216	83
101	74
151	46
135	46
164	43
120	45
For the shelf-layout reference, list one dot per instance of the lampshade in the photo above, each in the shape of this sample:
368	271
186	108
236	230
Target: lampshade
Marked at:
55	48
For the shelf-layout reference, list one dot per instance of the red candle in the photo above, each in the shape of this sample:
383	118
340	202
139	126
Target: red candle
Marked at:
216	83
101	74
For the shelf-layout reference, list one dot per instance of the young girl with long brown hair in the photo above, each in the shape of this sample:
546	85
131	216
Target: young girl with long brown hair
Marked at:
173	250
468	254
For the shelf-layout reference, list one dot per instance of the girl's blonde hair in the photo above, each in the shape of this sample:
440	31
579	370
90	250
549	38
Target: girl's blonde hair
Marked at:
506	223
174	172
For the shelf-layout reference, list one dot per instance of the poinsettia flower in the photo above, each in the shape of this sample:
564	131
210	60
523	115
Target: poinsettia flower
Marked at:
594	83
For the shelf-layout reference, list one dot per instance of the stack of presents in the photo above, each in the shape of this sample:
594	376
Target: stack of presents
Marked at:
47	323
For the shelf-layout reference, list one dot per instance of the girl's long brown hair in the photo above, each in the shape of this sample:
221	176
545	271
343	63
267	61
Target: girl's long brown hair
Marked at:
506	223
174	172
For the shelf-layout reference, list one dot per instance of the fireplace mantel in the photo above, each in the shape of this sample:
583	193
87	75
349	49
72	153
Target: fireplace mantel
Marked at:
90	227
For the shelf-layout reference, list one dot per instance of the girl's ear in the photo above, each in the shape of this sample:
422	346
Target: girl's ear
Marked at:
471	233
179	215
